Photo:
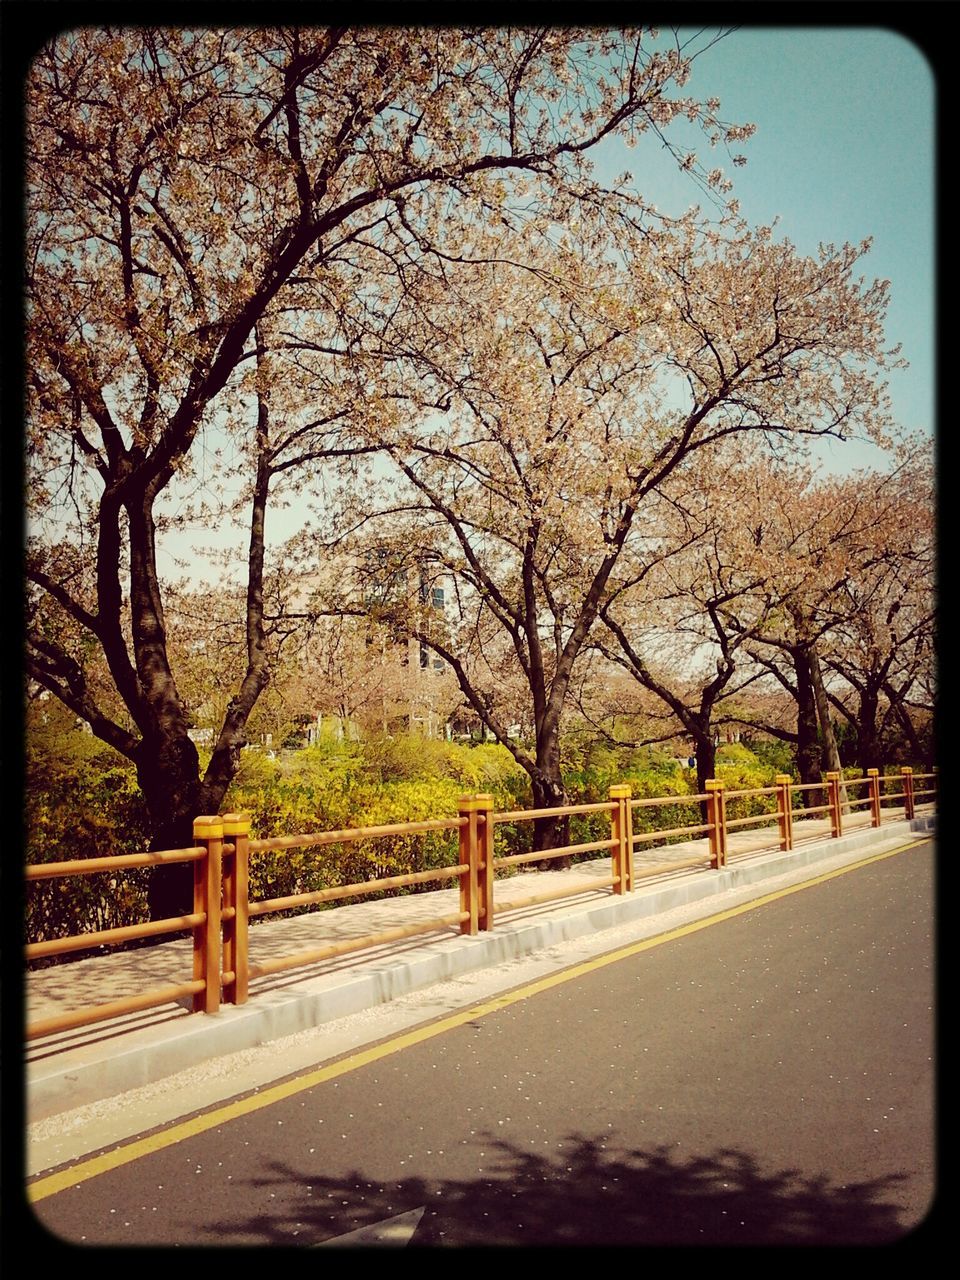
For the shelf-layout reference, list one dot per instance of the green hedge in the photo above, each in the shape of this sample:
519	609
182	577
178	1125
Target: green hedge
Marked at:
83	802
333	786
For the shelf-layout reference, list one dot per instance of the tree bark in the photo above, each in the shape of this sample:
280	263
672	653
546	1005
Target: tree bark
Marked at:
551	832
868	737
831	753
706	757
808	741
168	771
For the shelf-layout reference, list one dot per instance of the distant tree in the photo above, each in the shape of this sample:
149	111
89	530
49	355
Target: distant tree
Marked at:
881	644
844	557
671	630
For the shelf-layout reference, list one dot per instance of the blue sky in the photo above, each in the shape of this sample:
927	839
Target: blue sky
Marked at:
844	149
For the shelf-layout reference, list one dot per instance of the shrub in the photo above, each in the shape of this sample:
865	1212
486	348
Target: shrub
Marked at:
81	801
336	786
740	770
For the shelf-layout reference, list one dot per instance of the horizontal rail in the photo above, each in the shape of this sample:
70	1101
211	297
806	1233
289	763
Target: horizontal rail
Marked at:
672	831
535	900
333	949
754	818
338	892
538	855
650	802
673	864
122	862
814	808
109	937
276	844
116	1009
522	815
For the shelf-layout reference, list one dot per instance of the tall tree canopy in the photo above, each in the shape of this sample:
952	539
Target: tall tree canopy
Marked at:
563	405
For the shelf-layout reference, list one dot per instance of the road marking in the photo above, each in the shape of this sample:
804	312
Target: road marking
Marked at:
72	1176
396	1231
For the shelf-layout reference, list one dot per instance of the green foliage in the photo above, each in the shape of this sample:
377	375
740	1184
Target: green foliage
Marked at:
735	753
649	783
740	770
337	785
81	801
774	753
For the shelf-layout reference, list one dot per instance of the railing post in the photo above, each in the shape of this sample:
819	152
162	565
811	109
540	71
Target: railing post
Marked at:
628	823
874	788
485	869
833	790
716	816
236	909
784	811
621	830
909	805
207	831
469	855
476	852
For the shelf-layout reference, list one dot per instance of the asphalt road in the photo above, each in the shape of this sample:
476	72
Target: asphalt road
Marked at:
764	1076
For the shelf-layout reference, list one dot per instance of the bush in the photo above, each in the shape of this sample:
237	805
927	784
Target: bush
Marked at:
739	769
335	786
772	752
81	801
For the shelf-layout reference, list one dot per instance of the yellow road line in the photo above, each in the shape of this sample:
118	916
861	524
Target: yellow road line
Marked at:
103	1163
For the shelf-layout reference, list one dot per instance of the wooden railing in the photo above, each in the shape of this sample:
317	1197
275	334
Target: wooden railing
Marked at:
204	922
221	855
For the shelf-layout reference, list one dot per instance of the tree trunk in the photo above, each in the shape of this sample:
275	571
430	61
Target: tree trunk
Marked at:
706	758
808	742
921	754
868	739
548	793
706	755
168	771
831	752
548	833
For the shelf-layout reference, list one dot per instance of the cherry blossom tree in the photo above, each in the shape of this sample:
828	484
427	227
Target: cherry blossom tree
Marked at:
566	385
200	203
881	644
839	558
672	631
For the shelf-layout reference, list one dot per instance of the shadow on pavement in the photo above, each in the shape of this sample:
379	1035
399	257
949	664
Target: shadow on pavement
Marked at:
587	1193
593	1195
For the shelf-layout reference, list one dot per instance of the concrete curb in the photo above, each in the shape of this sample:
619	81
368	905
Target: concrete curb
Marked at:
126	1056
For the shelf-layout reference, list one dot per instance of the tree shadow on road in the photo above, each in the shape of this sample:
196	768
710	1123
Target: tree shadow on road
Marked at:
588	1194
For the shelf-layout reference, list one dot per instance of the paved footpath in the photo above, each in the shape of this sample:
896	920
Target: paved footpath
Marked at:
73	1068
